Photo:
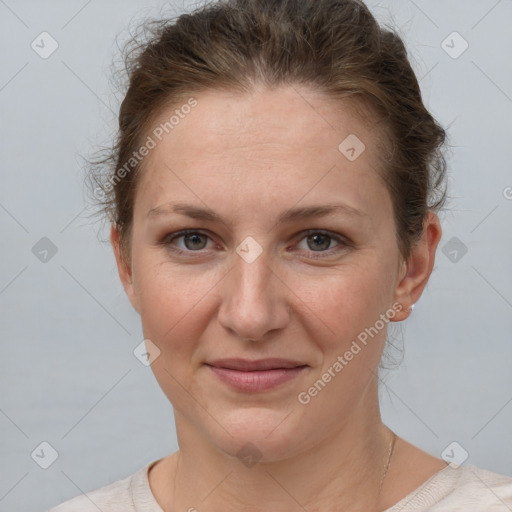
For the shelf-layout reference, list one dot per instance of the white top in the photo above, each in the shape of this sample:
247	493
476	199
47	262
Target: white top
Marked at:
452	489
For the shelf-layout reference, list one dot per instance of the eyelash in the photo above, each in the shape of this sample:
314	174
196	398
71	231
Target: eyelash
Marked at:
343	243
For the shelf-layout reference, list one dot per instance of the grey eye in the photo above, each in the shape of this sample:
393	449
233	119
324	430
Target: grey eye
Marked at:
192	241
319	241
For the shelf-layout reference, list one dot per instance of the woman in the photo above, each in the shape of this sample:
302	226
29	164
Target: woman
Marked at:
273	199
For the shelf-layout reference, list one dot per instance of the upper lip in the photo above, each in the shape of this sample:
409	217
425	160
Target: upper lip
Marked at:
253	365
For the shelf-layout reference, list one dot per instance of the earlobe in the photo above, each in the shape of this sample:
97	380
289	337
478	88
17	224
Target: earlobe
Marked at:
123	266
418	267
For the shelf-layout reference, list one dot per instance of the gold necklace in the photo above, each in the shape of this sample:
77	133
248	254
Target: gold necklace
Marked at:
386	467
390	454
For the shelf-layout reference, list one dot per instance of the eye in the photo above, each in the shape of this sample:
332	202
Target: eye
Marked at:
321	242
193	241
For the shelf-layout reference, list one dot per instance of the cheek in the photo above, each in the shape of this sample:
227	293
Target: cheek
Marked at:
346	300
172	309
176	300
350	303
171	298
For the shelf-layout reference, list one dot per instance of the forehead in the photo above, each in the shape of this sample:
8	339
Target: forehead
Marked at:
279	115
282	143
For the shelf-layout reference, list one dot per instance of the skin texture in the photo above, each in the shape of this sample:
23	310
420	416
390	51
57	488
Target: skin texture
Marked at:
249	157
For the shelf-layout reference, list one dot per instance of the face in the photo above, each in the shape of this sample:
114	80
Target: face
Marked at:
259	275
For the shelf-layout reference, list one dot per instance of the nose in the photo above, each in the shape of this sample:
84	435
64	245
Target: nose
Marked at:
255	300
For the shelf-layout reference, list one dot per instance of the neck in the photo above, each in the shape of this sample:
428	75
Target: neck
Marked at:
343	471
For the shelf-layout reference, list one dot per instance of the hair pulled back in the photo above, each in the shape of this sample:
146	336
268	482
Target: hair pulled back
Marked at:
335	46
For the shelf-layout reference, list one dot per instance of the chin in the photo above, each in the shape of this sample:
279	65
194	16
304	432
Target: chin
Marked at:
261	433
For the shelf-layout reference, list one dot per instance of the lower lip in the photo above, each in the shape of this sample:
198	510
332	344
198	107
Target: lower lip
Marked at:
259	380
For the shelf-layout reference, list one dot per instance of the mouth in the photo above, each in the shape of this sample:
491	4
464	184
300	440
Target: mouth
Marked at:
260	364
256	375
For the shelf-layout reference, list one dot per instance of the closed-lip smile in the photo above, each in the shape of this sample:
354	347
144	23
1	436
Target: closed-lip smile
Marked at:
256	375
248	365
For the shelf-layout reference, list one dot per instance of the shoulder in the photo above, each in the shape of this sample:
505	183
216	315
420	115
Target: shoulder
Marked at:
478	487
112	497
460	489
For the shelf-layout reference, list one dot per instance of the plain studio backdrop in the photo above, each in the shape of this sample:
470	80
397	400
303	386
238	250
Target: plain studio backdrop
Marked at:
75	398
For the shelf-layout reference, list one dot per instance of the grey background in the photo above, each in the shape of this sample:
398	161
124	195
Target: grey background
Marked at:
68	374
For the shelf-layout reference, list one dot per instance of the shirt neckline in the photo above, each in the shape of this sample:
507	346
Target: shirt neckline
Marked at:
424	495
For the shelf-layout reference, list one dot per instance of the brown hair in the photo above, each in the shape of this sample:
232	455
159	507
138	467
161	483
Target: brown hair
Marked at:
335	46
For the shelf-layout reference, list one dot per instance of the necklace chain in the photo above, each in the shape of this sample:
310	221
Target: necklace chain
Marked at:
386	466
390	454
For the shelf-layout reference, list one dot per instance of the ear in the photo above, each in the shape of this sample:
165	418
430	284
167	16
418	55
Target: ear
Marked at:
416	270
124	267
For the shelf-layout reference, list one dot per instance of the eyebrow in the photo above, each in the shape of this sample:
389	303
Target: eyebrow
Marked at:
291	215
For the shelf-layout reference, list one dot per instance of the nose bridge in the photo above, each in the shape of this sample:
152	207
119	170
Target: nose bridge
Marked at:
253	300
